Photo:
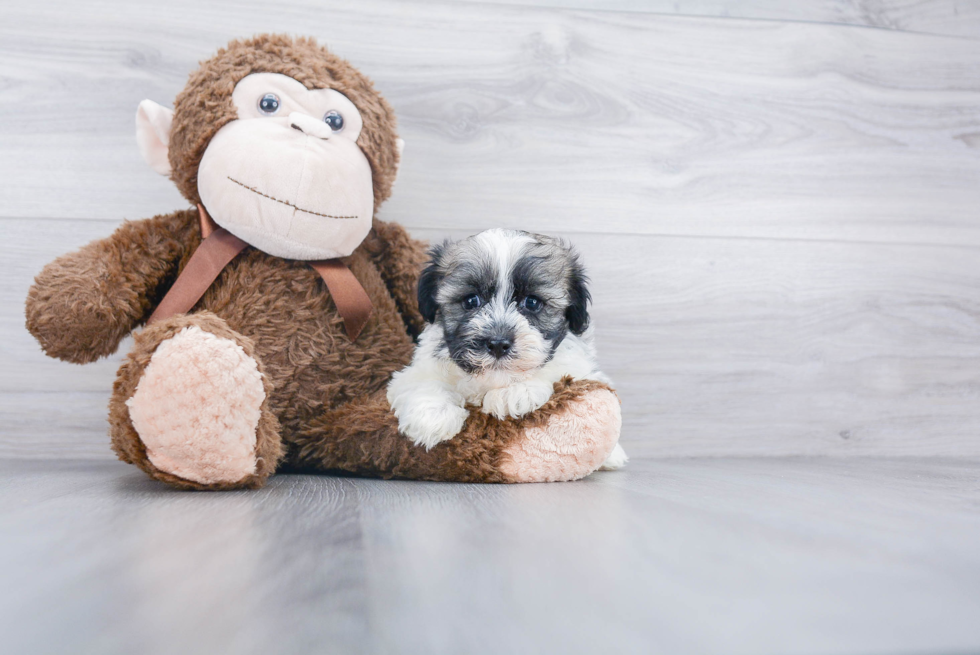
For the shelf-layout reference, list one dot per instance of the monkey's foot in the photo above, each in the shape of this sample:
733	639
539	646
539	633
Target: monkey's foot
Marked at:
572	444
197	408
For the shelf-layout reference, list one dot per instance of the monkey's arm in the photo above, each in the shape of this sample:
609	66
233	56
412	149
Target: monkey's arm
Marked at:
400	259
84	303
567	438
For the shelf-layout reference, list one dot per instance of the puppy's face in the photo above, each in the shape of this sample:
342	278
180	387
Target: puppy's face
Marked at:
504	299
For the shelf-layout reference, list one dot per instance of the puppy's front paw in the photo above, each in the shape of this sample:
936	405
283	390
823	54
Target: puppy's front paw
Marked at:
516	400
429	423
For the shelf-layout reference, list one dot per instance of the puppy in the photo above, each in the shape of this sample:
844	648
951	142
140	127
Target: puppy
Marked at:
507	318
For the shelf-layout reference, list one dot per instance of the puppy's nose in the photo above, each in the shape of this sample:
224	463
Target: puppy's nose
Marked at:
499	347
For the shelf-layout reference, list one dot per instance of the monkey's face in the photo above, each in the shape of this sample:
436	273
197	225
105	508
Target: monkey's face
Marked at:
288	146
288	176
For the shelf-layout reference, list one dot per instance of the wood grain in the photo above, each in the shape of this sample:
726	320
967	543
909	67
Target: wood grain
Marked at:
780	217
718	346
517	116
56	425
673	556
948	17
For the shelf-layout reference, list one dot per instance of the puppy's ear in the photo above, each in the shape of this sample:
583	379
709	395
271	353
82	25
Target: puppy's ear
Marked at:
577	312
429	284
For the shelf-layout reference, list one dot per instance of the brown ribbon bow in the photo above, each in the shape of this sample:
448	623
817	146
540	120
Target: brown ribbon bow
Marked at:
219	247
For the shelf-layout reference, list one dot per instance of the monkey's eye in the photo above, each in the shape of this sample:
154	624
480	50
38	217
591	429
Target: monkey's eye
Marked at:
334	120
472	301
269	104
531	303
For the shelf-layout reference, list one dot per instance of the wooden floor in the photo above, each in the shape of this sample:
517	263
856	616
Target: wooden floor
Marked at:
668	556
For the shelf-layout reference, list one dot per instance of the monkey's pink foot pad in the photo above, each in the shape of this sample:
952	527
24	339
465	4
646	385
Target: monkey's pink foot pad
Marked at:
197	407
571	445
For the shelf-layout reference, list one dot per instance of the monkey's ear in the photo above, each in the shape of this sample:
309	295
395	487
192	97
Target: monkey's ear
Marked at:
429	285
577	312
153	135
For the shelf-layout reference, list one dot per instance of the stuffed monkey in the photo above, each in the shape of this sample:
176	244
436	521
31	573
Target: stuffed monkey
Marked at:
278	308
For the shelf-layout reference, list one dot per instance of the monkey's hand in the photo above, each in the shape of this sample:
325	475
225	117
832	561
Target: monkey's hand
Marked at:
518	399
84	303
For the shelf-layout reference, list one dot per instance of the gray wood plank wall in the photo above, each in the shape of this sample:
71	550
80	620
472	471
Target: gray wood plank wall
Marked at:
781	216
950	17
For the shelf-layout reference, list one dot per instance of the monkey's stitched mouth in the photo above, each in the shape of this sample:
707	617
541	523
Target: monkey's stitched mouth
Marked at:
287	203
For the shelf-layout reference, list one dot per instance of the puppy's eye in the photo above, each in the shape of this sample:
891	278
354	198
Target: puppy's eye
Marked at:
531	303
334	120
472	301
269	104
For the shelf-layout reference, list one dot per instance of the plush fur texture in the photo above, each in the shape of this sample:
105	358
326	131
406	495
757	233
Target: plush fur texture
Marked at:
197	407
323	404
571	441
365	441
205	105
286	183
125	439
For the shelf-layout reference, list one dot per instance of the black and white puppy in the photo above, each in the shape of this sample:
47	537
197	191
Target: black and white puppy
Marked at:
508	317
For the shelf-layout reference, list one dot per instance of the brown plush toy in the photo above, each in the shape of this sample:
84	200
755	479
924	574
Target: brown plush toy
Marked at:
277	310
